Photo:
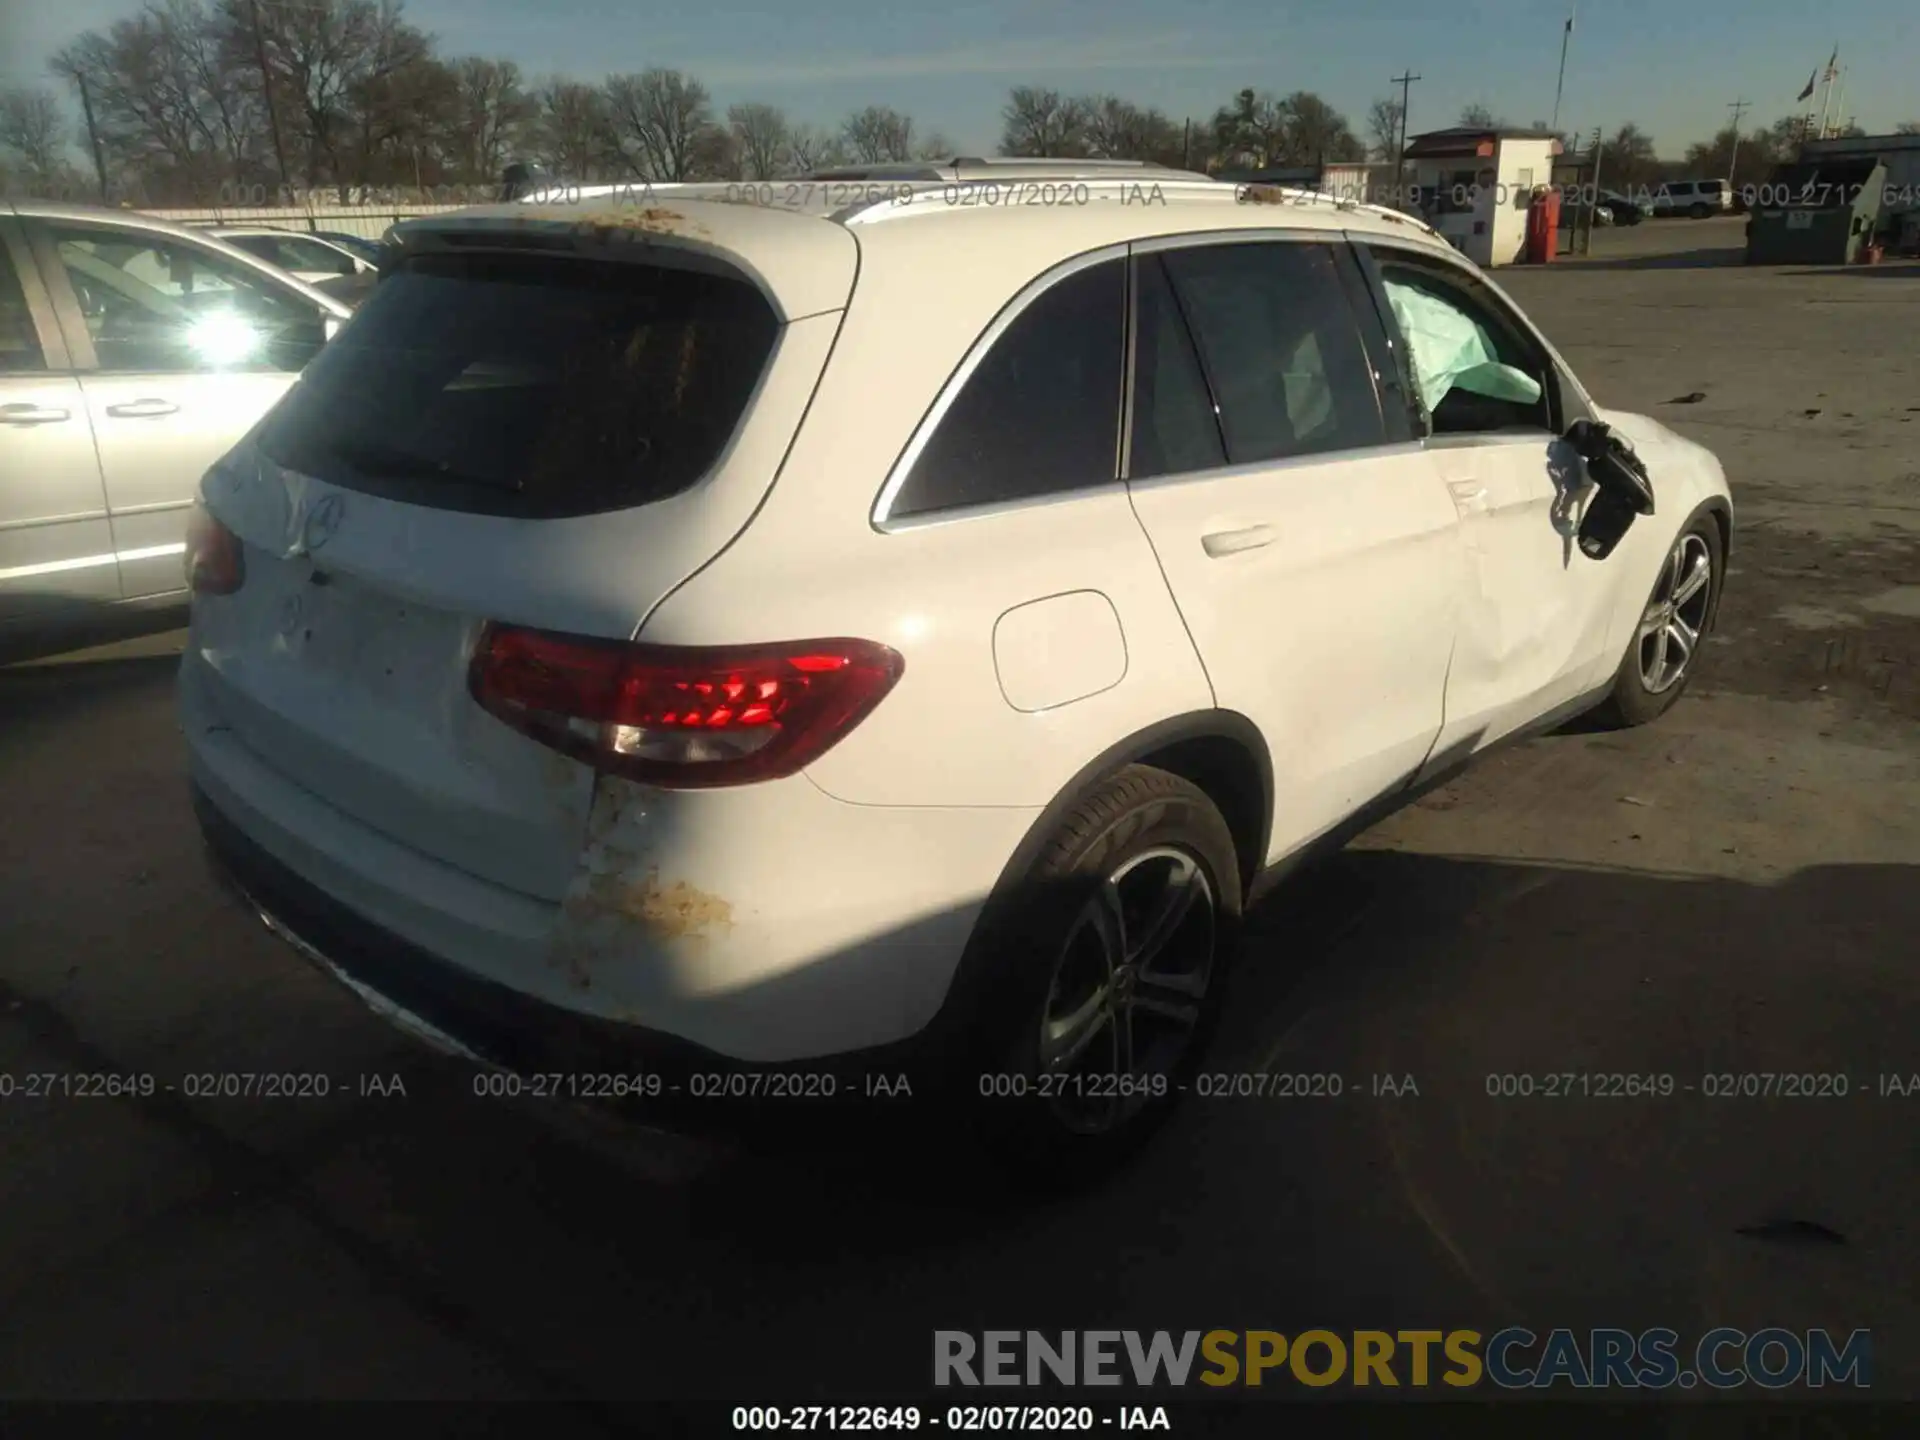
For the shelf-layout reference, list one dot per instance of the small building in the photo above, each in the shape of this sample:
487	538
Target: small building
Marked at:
1474	185
1816	212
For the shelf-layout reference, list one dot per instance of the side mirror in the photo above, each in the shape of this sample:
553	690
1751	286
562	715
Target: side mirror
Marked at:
1623	492
1492	380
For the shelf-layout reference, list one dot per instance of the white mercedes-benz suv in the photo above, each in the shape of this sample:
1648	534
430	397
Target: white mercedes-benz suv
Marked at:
737	640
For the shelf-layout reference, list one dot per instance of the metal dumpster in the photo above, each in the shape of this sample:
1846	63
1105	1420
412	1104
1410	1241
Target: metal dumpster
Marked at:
1816	212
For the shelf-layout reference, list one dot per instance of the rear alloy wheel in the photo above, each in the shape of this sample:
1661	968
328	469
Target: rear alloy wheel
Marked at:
1127	990
1124	930
1672	628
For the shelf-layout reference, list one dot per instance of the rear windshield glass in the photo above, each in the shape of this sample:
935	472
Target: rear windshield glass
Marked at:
529	385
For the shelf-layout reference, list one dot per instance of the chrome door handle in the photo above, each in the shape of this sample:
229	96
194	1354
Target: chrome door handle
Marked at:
142	409
32	415
1232	542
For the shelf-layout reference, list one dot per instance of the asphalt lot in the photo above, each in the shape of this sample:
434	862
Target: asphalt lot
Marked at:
1731	890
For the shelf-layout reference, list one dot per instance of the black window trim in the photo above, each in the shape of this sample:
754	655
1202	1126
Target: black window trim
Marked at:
1296	234
880	517
1567	400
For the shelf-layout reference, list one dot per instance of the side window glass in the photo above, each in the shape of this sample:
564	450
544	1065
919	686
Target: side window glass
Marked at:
308	256
1040	414
1473	372
1175	431
1281	348
19	341
155	303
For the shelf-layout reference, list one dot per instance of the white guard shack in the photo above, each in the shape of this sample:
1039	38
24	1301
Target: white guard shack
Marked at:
1474	185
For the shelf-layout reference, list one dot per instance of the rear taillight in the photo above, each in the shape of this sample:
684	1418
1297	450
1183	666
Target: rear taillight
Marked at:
683	717
215	565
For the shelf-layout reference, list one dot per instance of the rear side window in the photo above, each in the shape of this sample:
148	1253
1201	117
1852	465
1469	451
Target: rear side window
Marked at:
1175	431
535	386
1281	348
1040	414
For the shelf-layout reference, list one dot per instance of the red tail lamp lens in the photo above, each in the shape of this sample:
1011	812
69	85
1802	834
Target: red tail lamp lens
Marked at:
681	716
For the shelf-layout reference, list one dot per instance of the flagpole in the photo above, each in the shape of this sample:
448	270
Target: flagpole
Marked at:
1840	110
1826	95
1566	38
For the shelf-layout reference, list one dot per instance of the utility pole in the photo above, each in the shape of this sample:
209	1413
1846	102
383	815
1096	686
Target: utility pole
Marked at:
1739	108
93	134
266	92
1566	39
1405	82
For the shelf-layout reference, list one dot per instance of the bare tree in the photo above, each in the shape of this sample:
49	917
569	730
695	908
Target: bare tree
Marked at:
493	114
934	146
339	71
811	148
1481	118
1250	133
1117	129
877	135
1043	123
714	155
1383	128
168	109
1630	162
761	136
1316	133
573	129
33	136
658	117
1757	155
1907	127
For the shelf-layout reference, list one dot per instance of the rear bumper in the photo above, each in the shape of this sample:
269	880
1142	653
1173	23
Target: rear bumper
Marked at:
549	1052
839	935
442	1005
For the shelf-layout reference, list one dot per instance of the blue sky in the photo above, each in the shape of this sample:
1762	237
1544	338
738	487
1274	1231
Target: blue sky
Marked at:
1670	65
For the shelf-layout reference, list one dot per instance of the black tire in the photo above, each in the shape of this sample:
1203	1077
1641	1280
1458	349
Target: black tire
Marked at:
1018	1105
1632	701
1701	212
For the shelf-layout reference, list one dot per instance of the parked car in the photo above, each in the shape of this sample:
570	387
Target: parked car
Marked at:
1613	208
133	354
739	661
312	258
366	249
1696	199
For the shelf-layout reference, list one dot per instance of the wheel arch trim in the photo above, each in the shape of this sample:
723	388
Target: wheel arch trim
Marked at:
966	993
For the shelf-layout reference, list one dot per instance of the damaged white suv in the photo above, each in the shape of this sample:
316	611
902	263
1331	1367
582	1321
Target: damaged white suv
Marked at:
680	635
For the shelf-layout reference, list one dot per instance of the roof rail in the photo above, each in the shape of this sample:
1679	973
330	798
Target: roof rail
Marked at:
1050	162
